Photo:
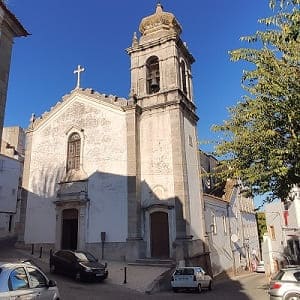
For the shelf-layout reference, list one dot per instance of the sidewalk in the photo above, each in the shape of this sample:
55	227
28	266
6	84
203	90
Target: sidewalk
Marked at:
143	279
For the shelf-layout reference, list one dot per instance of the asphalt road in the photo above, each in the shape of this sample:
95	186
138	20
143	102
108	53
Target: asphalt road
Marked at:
247	287
251	287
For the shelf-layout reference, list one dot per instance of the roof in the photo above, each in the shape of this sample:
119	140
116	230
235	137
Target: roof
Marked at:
111	101
20	30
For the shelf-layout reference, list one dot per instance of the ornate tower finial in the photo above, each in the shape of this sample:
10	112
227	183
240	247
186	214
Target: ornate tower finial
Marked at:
135	40
32	118
159	7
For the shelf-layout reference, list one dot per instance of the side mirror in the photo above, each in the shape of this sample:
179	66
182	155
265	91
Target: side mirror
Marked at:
105	265
51	283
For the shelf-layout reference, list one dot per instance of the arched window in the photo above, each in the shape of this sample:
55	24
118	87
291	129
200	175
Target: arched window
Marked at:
183	77
153	78
73	160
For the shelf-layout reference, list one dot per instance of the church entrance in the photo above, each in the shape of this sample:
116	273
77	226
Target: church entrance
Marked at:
69	229
159	235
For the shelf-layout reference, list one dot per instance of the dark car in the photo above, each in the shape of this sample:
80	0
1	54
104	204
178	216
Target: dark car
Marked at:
81	265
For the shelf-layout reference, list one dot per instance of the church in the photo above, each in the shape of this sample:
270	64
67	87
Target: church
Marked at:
121	176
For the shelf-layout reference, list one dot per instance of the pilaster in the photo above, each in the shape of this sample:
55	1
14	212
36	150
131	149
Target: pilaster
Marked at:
133	181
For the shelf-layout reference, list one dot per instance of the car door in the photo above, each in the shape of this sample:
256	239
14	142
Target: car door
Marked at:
202	277
206	278
18	285
72	264
64	259
39	283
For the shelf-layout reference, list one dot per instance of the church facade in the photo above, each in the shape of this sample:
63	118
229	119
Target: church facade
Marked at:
117	175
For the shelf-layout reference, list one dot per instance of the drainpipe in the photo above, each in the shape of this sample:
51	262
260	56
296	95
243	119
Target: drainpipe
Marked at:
231	243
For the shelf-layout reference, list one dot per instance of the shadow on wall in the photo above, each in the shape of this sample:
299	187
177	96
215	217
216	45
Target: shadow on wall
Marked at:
103	191
117	205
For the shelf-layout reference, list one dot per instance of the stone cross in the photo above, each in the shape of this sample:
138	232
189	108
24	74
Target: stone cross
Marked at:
78	71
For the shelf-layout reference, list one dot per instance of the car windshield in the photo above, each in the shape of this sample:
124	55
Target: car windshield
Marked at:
85	256
184	272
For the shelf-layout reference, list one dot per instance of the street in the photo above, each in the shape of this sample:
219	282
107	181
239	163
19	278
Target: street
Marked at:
247	287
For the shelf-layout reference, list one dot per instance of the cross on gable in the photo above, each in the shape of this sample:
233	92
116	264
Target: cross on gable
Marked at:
78	71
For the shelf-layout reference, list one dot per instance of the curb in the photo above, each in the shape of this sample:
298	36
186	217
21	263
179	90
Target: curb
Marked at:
161	283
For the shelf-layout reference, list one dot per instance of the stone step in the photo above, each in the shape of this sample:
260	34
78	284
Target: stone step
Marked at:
152	262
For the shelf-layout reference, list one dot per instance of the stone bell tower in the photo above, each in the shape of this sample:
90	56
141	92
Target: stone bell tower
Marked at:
167	169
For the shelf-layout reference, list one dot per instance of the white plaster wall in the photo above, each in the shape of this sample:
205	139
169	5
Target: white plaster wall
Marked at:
274	218
294	209
156	157
103	161
10	172
220	248
194	183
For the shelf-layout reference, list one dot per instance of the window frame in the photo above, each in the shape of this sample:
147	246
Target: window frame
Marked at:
74	151
10	284
44	285
152	72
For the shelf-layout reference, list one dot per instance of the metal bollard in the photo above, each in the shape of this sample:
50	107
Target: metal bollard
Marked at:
32	249
41	252
125	275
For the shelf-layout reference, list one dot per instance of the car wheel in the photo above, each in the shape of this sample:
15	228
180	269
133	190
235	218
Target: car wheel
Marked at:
210	286
78	276
199	288
52	269
175	290
294	296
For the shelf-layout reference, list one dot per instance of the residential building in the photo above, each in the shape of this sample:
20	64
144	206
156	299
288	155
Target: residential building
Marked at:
230	220
281	243
10	28
11	168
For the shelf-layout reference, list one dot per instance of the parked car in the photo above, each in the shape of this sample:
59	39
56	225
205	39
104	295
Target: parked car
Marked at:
285	285
260	268
191	278
24	280
79	264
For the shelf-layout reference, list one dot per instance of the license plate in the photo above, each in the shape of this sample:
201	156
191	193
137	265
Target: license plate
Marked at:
99	275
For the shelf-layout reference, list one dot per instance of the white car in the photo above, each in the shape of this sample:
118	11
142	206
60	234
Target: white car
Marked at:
260	268
191	278
23	280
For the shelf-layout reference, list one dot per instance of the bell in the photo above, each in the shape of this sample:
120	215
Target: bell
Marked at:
154	85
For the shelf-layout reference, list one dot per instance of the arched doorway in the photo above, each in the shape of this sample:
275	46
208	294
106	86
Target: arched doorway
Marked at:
159	225
69	229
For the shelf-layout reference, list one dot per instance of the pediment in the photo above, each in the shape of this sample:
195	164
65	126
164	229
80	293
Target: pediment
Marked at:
108	102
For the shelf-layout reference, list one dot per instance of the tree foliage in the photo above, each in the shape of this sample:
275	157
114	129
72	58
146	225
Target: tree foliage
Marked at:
261	225
261	142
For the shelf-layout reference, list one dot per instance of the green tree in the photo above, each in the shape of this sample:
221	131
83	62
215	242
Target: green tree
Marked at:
261	138
261	225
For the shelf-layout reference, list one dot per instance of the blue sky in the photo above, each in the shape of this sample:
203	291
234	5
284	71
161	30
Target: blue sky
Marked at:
95	35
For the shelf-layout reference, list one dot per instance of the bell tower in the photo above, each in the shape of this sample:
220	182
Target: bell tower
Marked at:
168	183
160	61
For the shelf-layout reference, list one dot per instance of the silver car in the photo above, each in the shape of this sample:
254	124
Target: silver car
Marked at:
23	280
285	285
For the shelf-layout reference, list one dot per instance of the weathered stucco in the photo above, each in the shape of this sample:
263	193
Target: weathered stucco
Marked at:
103	162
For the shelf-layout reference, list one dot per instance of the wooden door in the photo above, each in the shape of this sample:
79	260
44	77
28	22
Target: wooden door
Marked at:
159	235
69	229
